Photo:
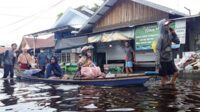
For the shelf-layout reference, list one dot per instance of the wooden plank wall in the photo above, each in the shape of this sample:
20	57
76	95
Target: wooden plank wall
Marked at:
128	12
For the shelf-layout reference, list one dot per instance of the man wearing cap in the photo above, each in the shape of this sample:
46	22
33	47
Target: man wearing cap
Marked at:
164	56
86	55
87	69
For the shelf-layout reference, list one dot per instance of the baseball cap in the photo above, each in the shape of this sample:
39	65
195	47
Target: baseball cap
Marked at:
85	48
167	22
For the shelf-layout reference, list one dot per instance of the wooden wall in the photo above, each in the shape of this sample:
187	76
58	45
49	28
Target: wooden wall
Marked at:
126	12
193	37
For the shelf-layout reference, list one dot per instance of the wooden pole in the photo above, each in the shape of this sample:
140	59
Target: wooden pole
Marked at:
34	44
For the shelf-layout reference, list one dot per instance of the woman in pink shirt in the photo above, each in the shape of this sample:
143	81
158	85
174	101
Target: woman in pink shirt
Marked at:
25	59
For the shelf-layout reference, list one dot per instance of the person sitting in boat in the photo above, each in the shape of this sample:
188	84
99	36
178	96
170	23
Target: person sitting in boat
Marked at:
25	60
53	68
86	68
52	71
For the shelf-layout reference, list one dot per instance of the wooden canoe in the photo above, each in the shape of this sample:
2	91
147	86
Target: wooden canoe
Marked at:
119	80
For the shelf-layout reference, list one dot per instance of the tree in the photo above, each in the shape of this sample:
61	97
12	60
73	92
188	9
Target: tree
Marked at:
80	7
94	8
59	16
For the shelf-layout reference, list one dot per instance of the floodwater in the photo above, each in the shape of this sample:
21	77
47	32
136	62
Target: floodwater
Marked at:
18	96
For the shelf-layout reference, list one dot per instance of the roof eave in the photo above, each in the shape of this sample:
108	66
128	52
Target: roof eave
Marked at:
52	30
87	25
98	13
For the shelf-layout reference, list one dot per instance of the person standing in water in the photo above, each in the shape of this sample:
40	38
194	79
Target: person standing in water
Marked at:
9	61
164	57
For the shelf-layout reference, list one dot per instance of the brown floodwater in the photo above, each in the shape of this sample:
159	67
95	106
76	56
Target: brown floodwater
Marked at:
18	96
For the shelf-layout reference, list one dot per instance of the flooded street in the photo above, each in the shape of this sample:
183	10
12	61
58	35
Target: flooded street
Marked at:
56	54
18	96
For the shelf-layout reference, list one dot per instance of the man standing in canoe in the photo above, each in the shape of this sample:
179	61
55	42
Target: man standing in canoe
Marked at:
164	57
9	61
129	58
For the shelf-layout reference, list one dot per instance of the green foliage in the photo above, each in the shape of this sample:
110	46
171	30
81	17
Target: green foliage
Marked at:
95	7
116	70
59	16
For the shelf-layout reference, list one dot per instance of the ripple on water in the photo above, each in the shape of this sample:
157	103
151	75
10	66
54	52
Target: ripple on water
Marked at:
27	107
90	106
33	97
120	110
4	96
67	87
1	104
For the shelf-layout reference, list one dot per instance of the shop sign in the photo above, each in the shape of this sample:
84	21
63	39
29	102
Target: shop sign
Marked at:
145	35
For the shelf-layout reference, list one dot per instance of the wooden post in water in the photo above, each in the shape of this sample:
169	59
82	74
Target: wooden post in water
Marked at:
34	44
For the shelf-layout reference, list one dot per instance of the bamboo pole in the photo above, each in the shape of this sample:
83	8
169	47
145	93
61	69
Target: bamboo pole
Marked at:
34	44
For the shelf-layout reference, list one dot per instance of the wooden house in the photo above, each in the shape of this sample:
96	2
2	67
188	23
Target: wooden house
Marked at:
47	44
117	18
122	13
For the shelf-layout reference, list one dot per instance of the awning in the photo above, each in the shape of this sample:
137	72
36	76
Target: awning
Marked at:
128	33
95	38
112	36
68	43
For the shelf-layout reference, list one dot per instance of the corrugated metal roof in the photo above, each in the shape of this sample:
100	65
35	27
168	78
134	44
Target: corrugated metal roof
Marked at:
70	18
68	43
159	7
108	5
40	43
48	31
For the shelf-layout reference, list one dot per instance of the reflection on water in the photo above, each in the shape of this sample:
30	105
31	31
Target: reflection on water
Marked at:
27	97
7	97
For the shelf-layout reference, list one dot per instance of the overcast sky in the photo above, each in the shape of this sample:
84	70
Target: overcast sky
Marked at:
20	17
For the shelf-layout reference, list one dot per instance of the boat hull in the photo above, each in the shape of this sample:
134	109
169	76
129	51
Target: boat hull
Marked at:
123	81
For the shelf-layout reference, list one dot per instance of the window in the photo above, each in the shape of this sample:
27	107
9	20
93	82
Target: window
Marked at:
63	57
68	58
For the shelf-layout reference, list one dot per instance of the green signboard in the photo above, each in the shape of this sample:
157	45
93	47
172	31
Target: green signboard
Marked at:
145	35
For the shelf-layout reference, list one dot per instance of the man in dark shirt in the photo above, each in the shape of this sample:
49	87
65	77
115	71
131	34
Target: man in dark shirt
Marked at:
9	61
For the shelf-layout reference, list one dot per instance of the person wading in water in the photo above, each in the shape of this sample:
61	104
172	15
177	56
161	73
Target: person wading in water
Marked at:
9	61
164	57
